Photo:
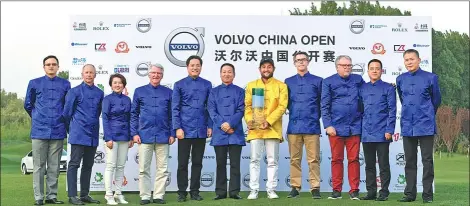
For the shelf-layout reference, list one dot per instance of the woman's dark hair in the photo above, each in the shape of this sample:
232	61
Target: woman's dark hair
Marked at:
120	76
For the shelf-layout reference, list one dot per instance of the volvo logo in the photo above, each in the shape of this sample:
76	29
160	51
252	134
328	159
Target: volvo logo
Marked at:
358	69
246	180
288	180
168	179
144	25
176	48
207	179
357	26
142	69
136	158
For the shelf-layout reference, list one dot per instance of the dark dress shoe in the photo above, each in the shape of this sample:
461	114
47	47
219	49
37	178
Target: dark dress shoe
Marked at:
75	201
427	200
381	198
54	201
38	202
196	197
88	199
406	199
368	197
159	201
181	198
236	197
219	197
144	202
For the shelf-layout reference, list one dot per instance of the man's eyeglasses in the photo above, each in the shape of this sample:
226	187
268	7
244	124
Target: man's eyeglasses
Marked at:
300	60
53	64
345	65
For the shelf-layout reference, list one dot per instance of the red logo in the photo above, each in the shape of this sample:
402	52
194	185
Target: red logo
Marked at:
122	47
378	48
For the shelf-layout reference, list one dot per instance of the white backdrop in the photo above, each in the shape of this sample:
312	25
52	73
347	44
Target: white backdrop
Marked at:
169	40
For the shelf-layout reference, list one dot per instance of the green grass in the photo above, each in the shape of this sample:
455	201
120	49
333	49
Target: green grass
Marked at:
451	181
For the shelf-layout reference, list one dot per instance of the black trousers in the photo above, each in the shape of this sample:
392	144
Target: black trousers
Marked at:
410	145
382	151
79	152
197	147
221	152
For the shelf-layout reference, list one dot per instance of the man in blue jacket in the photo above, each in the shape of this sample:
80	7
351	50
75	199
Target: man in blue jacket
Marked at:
226	107
420	97
304	125
44	103
378	99
192	124
342	120
152	130
82	111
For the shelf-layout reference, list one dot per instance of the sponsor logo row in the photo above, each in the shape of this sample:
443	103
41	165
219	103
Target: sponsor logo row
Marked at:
358	26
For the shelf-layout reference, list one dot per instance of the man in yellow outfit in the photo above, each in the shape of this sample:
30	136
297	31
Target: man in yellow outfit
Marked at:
266	101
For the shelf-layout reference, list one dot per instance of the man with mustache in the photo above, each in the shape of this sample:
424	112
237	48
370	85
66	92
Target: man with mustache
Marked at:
304	125
342	120
378	100
151	128
192	124
83	105
270	98
44	103
420	97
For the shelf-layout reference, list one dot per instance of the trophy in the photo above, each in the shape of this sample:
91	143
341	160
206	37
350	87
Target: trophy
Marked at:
258	107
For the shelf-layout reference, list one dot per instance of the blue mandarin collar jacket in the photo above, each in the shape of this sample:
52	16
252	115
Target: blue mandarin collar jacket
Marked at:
189	107
116	117
82	111
151	114
227	104
340	104
379	111
304	104
420	97
44	103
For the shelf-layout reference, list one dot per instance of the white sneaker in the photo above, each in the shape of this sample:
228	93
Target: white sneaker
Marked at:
120	199
272	194
110	200
253	195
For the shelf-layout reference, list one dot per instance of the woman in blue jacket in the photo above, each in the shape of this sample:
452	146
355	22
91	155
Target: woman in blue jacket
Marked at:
116	126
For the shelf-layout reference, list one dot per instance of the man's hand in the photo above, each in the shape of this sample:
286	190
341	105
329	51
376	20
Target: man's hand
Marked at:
209	132
331	131
225	126
264	125
137	139
230	131
388	136
249	124
180	134
171	140
109	144
131	143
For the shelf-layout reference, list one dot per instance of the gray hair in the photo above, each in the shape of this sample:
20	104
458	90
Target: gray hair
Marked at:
89	65
158	66
342	57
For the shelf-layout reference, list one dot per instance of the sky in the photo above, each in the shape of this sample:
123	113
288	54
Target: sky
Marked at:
32	30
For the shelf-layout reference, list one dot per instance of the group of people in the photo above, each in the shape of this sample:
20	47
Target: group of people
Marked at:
352	112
